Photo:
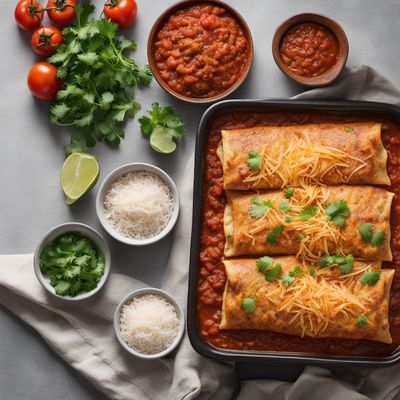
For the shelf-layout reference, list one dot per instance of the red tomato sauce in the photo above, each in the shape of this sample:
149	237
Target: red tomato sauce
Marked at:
201	51
211	278
309	49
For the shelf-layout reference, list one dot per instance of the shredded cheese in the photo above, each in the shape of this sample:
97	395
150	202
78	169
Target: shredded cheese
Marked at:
299	161
139	205
149	324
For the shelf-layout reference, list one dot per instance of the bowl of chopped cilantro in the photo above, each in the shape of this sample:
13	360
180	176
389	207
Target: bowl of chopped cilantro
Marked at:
72	261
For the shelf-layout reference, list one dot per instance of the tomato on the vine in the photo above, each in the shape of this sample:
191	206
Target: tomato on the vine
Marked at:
43	82
122	12
45	40
62	12
28	14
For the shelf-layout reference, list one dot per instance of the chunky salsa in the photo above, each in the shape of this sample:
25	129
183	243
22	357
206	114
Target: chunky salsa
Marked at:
211	279
201	51
309	49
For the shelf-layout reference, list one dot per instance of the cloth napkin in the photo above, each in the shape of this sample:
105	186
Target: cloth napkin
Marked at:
82	333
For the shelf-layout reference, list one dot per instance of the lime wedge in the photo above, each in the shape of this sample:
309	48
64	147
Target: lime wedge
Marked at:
161	140
78	175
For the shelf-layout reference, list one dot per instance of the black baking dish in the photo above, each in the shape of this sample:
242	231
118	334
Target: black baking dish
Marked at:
201	346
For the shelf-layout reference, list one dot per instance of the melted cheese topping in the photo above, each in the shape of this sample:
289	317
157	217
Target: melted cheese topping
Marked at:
300	162
318	231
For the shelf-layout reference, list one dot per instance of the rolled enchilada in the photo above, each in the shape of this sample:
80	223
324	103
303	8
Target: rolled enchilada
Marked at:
310	221
272	157
304	301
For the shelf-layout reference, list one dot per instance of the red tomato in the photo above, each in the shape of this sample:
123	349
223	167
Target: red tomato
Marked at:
43	82
45	40
28	14
122	12
62	12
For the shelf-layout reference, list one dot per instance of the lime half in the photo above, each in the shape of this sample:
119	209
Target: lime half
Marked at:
78	175
161	140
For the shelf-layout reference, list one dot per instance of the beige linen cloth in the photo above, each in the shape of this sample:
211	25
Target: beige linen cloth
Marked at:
82	334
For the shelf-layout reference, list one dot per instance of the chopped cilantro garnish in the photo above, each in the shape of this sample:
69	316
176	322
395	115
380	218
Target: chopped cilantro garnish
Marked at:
365	231
348	129
272	236
300	237
288	219
345	263
361	320
259	207
284	206
337	212
254	160
273	273
289	192
378	238
263	263
288	277
311	271
307	213
248	304
370	278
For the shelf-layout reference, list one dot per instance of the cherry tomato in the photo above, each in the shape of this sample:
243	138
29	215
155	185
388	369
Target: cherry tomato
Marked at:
28	14
45	40
61	12
122	12
43	82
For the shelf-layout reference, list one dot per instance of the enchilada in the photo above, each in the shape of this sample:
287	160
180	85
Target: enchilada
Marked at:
272	157
308	302
310	221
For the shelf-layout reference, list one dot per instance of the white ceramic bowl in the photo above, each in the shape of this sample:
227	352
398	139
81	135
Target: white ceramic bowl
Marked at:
179	311
85	230
111	178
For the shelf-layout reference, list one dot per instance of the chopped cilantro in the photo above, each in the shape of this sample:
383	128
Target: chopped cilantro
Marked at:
307	213
272	236
284	206
273	273
254	160
311	271
300	237
259	207
370	278
248	304
288	219
348	129
263	263
378	238
289	192
361	320
337	212
345	263
365	231
289	277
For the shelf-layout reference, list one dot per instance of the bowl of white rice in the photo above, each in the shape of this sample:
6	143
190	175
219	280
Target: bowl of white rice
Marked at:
149	323
138	204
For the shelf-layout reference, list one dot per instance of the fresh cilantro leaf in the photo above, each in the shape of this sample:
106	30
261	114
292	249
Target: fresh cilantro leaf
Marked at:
361	320
289	192
307	213
284	206
287	279
259	207
378	238
288	219
311	271
370	278
296	272
347	266
337	212
345	263
263	263
254	160
365	231
248	304
273	273
272	236
300	237
348	129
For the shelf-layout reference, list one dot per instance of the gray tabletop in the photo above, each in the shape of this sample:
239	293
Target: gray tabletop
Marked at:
31	155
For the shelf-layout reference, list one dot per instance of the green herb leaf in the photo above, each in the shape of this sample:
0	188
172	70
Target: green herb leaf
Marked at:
311	271
345	263
259	207
248	304
300	237
365	231
264	263
378	238
289	192
307	213
370	278
284	206
272	236
287	279
337	212
348	129
273	273
254	160
361	320
288	219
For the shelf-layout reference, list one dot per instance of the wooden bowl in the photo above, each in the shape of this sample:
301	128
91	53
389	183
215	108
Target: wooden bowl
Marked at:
331	74
158	25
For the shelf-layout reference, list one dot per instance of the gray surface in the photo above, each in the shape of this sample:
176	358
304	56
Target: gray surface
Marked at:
31	156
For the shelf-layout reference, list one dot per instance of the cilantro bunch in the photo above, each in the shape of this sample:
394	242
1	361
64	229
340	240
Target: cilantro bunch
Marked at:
99	81
73	264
